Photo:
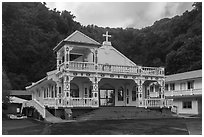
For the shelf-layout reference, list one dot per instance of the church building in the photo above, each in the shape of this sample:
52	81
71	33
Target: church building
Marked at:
93	75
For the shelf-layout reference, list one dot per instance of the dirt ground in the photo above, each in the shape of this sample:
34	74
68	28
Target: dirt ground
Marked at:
105	127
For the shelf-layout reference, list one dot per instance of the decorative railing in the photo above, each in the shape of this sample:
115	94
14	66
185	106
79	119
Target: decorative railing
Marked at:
152	71
51	102
118	68
183	92
34	103
158	102
82	102
81	65
89	66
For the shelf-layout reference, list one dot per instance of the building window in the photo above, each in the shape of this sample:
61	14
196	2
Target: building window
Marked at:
60	90
166	87
120	94
52	95
134	93
182	86
187	104
44	93
172	86
55	91
90	91
190	84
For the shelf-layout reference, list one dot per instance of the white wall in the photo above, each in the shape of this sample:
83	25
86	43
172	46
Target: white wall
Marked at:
181	110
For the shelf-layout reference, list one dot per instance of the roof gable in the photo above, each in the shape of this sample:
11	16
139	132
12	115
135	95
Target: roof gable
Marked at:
110	55
79	37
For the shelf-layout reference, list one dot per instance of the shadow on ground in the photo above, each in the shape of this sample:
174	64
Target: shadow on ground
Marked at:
105	127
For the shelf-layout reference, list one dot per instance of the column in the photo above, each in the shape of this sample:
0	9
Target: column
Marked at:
162	88
67	50
140	82
66	96
95	91
96	59
58	59
59	95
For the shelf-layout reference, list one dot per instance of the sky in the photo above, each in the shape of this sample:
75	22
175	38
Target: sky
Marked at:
121	14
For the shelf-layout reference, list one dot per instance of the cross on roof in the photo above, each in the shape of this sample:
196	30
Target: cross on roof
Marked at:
106	35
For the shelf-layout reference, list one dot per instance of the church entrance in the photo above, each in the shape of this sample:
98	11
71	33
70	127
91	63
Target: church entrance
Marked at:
106	95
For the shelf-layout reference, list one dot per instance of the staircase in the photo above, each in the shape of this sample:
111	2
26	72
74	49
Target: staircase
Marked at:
112	113
48	117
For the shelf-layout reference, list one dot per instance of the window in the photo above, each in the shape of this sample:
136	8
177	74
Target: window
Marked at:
134	93
85	93
44	93
90	91
55	91
120	94
187	104
60	90
52	95
182	86
190	84
172	86
166	87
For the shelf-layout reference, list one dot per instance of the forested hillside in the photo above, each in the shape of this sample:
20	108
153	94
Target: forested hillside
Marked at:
30	31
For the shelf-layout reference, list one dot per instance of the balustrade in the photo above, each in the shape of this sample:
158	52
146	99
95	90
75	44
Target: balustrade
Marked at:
89	66
183	92
81	65
158	102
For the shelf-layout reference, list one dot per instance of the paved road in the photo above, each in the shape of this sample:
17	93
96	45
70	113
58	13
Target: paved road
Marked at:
109	127
194	126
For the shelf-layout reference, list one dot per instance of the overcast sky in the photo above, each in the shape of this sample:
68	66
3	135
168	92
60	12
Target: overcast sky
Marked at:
121	14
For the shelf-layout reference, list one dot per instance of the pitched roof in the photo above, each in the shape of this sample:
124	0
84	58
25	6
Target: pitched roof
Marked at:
185	75
16	100
78	37
19	92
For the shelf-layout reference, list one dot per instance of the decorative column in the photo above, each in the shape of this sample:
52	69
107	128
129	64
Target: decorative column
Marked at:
59	95
66	56
95	91
66	96
162	88
140	93
58	59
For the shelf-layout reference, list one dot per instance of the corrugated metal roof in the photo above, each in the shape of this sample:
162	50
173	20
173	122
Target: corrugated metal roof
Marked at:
185	75
17	100
19	92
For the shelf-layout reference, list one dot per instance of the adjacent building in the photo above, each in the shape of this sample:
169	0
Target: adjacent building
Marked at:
186	91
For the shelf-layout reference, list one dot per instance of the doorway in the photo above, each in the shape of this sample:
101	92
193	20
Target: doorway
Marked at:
106	97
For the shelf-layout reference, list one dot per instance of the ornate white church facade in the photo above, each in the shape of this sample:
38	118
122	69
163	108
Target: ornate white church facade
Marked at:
90	74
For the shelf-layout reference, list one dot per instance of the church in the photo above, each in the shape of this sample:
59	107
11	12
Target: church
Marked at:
93	75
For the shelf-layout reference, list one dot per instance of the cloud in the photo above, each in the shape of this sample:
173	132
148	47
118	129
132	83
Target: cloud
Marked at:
122	14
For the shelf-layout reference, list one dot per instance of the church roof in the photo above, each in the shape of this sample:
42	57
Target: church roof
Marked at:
185	75
78	37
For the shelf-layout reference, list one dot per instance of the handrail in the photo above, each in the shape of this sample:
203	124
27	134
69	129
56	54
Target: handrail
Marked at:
34	103
183	92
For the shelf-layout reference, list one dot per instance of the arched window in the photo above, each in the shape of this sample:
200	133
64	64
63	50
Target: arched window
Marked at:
74	90
120	94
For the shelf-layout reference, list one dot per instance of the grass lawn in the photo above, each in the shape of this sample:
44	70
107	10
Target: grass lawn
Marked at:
105	127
